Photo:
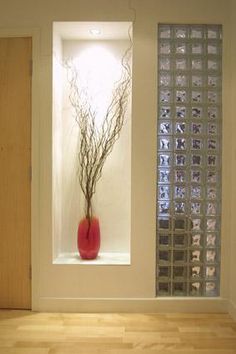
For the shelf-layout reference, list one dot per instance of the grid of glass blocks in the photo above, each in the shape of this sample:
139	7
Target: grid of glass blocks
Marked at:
189	160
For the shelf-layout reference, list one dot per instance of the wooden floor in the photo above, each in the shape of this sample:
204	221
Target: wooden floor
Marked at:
24	332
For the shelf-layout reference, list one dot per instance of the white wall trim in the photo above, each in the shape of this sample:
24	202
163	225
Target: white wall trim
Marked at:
232	309
167	305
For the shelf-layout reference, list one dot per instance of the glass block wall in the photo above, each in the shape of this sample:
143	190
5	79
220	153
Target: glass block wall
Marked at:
189	160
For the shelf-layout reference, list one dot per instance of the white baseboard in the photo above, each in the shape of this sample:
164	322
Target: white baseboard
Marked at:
148	305
232	309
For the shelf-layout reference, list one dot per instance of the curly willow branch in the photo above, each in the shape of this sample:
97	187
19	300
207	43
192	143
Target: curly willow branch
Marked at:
95	145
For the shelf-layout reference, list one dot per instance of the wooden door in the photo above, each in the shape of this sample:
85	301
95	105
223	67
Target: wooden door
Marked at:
15	179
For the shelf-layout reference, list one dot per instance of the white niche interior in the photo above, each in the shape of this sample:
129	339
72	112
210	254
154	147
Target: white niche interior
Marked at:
97	47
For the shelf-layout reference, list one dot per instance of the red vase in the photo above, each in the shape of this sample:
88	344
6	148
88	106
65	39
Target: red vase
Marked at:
88	238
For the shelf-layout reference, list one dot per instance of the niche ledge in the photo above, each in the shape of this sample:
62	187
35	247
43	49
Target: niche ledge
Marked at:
104	258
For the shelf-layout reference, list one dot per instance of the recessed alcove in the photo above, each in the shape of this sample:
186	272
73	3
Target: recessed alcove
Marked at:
98	48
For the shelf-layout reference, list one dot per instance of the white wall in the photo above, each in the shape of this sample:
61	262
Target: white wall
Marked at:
71	287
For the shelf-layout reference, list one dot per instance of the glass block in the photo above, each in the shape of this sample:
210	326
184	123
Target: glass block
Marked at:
196	240
210	289
180	96
212	96
211	209
196	192
196	33
165	96
211	192
164	223
196	176
164	256
195	256
164	207
179	272
195	288
180	144
180	160
164	160
211	177
165	128
165	32
181	80
180	64
164	143
196	144
212	112
196	160
197	48
164	192
197	64
212	160
180	192
165	112
212	33
180	224
164	240
212	48
163	289
180	176
180	48
164	176
180	208
165	48
197	80
195	208
180	127
165	64
181	112
197	112
195	271
211	272
211	256
211	240
179	256
179	289
165	80
164	272
213	81
212	144
197	128
212	129
180	240
197	96
196	224
211	224
181	32
212	64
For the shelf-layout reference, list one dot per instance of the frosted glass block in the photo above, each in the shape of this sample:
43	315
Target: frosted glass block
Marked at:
180	160
196	240
196	144
164	160
165	128
197	64
210	289
181	80
196	96
213	81
196	272
180	64
164	289
211	224
196	33
165	64
181	112
164	223
196	160
180	192
211	209
179	289
195	256
165	80
179	273
196	224
181	32
165	240
179	256
164	256
164	272
197	80
180	224
165	48
165	96
164	207
165	32
180	240
195	289
212	96
211	177
212	33
211	192
212	49
212	128
211	256
164	176
212	160
165	144
197	48
165	112
180	127
196	177
212	64
195	208
197	112
211	240
180	144
164	192
211	272
181	96
180	176
180	48
212	112
196	192
211	144
180	208
196	128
